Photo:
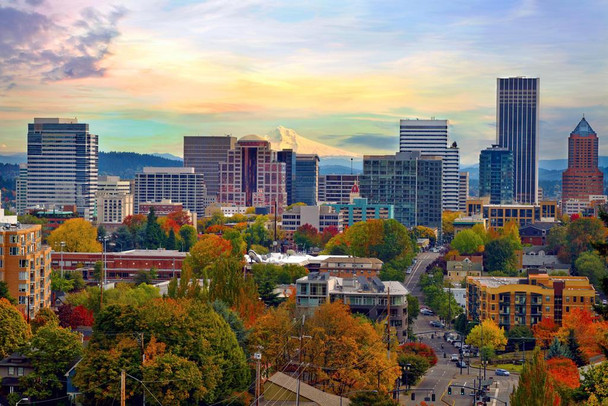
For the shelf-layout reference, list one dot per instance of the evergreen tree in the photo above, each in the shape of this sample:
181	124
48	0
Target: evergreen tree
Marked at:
154	234
557	349
5	294
577	354
536	387
171	241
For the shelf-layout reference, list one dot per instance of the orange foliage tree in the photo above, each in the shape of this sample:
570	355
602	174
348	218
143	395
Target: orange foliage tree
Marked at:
582	323
419	349
208	250
181	217
545	331
564	372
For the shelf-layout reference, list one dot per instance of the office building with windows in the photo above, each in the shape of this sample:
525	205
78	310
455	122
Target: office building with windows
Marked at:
180	185
583	178
463	191
336	189
252	176
496	175
62	159
497	215
517	121
21	189
114	200
204	154
526	301
430	137
408	181
288	157
307	179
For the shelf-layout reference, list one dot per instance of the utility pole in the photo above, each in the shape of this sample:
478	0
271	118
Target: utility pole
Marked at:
258	357
123	378
388	323
143	361
301	337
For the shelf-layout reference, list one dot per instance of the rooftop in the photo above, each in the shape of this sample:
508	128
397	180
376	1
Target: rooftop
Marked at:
171	170
583	129
354	260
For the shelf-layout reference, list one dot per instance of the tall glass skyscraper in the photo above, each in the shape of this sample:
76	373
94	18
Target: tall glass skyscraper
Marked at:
204	154
517	130
430	137
288	157
307	179
62	159
496	175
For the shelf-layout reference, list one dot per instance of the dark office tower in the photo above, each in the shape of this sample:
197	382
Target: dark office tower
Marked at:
583	177
288	157
307	179
204	155
409	181
517	130
496	175
62	161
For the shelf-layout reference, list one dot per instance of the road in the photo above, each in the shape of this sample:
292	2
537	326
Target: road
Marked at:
445	373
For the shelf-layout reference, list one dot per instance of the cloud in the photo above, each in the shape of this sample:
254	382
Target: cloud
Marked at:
33	45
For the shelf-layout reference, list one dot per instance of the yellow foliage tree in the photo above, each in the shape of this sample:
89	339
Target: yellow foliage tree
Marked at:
447	221
78	235
487	334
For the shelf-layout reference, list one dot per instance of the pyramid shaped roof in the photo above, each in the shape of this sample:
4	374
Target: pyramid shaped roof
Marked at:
583	128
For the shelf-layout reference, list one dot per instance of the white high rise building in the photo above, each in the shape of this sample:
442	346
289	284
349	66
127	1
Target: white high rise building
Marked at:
430	137
114	200
62	159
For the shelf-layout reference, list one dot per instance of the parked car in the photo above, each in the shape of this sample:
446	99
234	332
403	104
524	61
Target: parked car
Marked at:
438	324
461	364
502	372
454	358
427	312
457	344
409	270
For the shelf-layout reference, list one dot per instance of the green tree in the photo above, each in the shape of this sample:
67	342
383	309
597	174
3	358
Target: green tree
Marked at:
418	367
77	280
14	331
557	349
536	387
257	233
556	238
171	243
590	264
52	350
413	308
154	233
123	238
371	398
45	316
467	242
143	276
60	284
595	382
520	334
98	271
499	255
5	294
188	236
579	358
582	234
235	322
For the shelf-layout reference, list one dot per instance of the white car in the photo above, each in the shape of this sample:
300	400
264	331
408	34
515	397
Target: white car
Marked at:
457	344
426	312
454	358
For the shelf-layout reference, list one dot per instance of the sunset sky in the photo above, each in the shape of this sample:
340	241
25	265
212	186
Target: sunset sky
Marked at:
144	73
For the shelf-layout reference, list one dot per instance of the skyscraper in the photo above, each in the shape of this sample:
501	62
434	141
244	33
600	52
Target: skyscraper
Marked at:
62	161
21	189
307	179
251	175
409	181
288	157
496	175
583	177
463	195
204	153
517	130
430	137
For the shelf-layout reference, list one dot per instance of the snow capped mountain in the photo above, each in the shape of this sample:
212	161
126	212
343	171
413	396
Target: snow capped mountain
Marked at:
286	138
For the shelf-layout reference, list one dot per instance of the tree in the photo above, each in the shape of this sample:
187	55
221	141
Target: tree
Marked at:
371	398
59	283
257	233
5	294
545	331
413	308
143	276
123	239
171	243
14	331
556	239
154	233
188	237
579	358
595	381
424	232
590	264
180	217
208	250
564	372
536	387
45	316
307	236
467	242
418	365
447	221
328	233
582	234
499	255
522	335
52	350
487	334
420	349
74	316
78	235
557	349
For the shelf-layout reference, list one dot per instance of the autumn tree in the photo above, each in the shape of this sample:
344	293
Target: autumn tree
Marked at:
420	349
307	236
328	233
74	316
447	221
467	242
487	334
595	382
78	235
564	372
208	250
14	331
424	232
582	234
45	316
590	264
51	352
536	386
545	331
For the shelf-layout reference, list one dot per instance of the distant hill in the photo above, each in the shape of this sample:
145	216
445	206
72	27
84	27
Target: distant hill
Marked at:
127	164
13	158
338	170
169	156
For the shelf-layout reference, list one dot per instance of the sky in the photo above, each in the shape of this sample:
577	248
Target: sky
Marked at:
145	73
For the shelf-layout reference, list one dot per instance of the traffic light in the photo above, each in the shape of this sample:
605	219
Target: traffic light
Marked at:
462	391
413	396
432	397
449	390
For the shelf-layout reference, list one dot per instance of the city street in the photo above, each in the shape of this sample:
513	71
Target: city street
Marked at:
445	373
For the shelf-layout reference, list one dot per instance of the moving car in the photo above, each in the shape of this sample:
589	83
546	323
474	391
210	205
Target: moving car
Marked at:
461	364
502	372
454	358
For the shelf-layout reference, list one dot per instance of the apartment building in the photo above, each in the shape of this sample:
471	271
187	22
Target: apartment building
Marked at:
351	267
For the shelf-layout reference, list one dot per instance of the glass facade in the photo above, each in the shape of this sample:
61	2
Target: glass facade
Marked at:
307	179
496	175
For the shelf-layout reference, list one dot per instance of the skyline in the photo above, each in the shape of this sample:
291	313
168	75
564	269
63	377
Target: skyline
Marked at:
147	74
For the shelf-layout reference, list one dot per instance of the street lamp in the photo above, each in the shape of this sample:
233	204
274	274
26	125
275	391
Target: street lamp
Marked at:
21	400
407	375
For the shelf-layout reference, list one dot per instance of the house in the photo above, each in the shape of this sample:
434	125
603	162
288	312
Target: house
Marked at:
536	233
280	389
12	368
536	257
459	267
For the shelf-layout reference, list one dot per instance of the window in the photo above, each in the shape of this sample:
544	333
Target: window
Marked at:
23	276
11	370
13	251
548	299
23	287
574	299
567	298
567	309
548	309
20	371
